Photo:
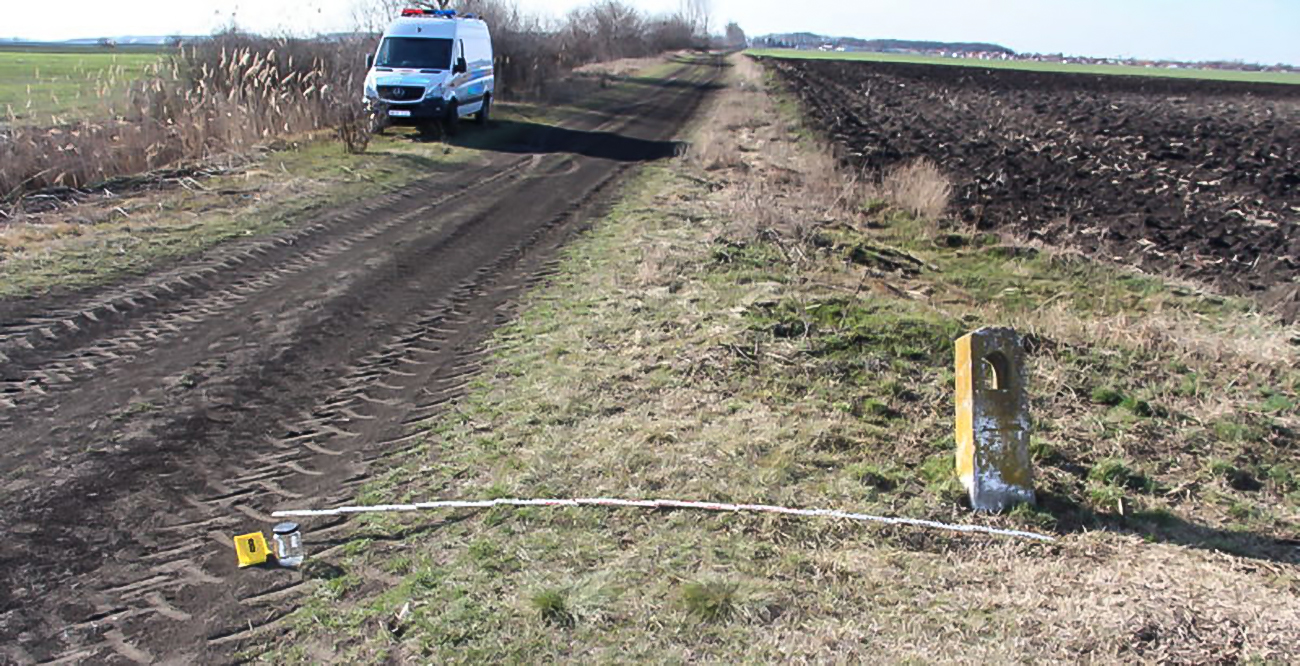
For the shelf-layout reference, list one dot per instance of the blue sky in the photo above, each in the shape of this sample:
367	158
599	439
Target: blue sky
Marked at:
1253	30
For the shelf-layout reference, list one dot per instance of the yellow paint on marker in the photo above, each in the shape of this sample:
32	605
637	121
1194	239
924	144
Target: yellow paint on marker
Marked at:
993	420
251	549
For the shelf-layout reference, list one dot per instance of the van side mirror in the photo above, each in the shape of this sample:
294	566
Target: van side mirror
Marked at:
370	60
461	66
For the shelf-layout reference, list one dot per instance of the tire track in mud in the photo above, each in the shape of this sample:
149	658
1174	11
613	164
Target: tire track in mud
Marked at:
191	296
154	429
30	334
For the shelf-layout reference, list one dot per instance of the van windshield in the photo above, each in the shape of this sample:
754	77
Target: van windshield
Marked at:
414	53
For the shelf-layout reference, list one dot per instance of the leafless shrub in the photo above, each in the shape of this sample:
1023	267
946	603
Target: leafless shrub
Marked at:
354	125
532	55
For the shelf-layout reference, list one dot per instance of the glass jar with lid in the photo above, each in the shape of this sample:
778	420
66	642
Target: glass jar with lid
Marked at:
288	544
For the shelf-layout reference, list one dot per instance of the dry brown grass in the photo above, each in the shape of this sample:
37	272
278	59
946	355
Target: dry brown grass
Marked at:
1250	342
18	236
919	188
788	185
774	184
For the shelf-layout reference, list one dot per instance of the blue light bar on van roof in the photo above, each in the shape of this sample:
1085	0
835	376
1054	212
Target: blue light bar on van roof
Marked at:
436	13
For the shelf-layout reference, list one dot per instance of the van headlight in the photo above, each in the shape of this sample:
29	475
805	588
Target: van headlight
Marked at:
433	91
371	91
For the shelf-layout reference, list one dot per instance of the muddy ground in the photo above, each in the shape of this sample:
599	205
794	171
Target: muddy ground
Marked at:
148	422
1196	178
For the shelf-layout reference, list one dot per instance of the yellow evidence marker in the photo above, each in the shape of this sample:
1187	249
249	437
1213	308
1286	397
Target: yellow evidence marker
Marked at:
993	420
251	549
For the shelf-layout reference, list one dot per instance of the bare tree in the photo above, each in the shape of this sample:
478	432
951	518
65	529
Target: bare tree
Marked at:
736	38
669	33
698	13
372	16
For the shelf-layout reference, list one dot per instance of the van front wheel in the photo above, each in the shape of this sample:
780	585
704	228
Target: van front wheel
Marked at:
484	114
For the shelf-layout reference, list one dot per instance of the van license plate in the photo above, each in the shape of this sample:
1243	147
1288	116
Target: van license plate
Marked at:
399	113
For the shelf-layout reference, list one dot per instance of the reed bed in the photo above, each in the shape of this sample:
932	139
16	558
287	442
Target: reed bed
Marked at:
221	96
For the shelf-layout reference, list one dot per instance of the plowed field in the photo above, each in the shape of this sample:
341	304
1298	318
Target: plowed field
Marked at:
1196	178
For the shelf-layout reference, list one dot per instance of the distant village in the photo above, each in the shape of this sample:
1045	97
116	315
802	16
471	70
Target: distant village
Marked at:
978	51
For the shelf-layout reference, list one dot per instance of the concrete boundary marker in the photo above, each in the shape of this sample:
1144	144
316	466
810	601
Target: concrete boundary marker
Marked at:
663	504
993	423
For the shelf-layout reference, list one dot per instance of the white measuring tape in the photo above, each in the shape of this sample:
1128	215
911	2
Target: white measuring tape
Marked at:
661	504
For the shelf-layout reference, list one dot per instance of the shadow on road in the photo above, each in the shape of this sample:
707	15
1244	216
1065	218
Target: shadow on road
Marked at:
528	138
532	138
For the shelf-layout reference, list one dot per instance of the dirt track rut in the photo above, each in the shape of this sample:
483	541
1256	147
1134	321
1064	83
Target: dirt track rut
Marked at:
147	423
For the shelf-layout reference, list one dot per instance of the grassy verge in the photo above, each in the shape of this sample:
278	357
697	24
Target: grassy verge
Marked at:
751	324
1066	68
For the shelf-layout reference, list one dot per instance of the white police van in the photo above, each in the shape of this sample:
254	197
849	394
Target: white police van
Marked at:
432	66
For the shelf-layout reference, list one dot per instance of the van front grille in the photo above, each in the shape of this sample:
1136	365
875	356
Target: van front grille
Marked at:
402	93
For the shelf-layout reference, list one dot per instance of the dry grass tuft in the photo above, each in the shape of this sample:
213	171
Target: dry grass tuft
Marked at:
797	185
919	188
18	236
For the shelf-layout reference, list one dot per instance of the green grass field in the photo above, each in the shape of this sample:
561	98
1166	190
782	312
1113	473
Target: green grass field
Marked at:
38	84
1117	70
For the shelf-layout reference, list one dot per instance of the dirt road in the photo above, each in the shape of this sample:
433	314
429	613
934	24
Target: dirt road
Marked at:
145	424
